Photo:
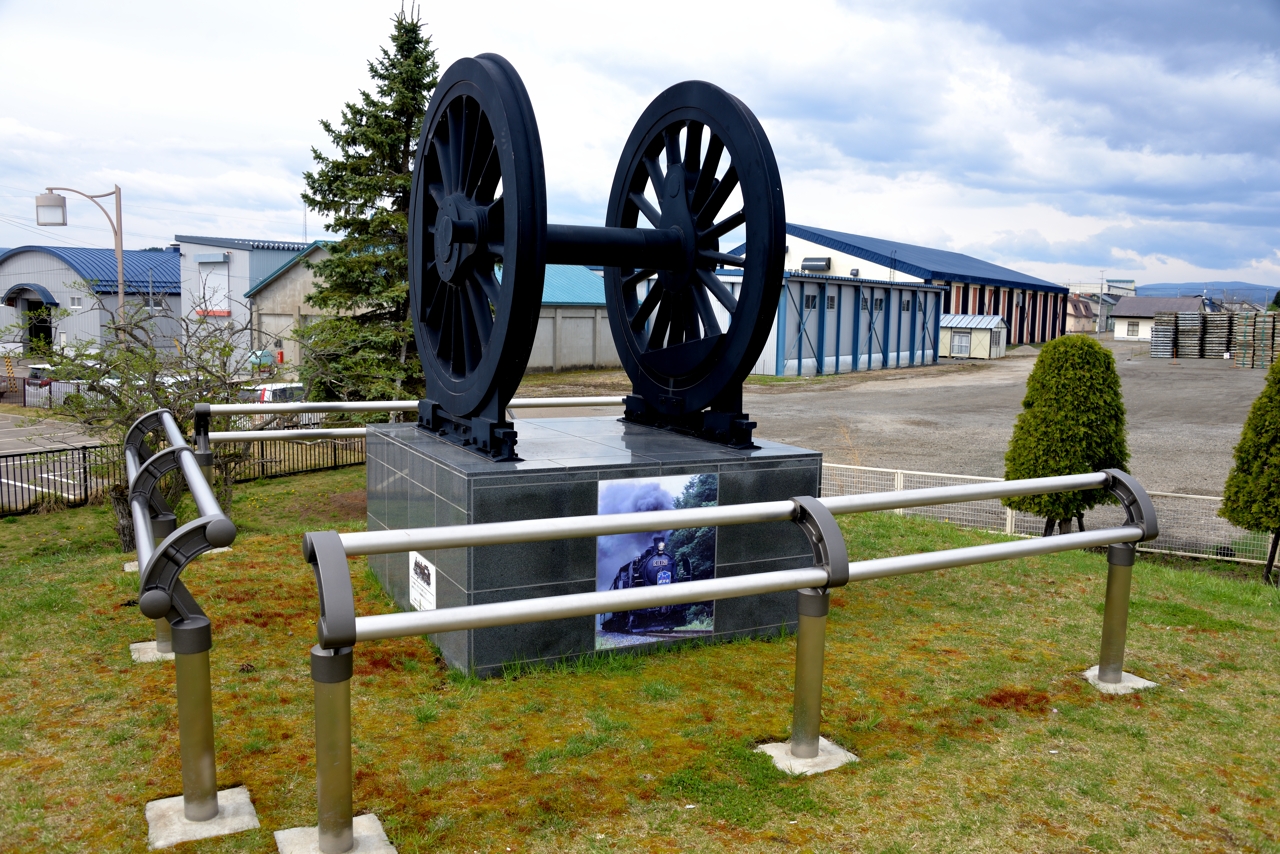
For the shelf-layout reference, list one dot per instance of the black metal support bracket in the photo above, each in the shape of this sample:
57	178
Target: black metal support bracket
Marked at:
824	535
724	427
160	577
1139	511
202	418
336	628
488	434
137	435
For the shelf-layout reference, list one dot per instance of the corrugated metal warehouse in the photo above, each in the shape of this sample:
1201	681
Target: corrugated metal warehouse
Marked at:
573	323
32	277
1034	310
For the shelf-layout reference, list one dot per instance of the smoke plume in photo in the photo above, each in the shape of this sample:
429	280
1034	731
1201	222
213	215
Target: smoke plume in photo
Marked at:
630	496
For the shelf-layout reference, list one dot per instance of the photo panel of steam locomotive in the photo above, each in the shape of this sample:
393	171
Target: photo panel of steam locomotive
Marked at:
658	557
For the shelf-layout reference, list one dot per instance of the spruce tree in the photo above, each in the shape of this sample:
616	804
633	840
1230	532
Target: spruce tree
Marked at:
364	348
1072	422
1251	499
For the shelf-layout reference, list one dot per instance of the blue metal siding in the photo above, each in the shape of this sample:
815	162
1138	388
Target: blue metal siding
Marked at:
98	266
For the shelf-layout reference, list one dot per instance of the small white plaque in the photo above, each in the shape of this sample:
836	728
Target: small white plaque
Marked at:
422	583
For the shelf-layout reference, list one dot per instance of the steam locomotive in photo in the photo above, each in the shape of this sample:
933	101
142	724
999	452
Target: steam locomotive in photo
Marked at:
653	566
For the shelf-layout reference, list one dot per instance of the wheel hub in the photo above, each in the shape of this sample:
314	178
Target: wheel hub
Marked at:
459	231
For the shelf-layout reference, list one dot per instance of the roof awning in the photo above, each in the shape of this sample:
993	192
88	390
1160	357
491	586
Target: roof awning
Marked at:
11	295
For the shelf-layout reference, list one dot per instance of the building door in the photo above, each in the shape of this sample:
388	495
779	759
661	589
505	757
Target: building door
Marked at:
39	327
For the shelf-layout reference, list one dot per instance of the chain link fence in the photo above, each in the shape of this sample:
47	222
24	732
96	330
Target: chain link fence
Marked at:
1189	524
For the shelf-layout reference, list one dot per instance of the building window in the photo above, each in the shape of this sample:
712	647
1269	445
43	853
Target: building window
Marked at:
959	343
831	302
864	303
879	304
996	335
1133	329
810	301
77	302
906	304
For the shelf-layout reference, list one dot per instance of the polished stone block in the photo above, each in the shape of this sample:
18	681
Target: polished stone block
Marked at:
417	480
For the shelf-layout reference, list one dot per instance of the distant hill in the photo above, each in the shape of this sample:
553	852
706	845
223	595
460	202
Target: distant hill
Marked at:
1229	291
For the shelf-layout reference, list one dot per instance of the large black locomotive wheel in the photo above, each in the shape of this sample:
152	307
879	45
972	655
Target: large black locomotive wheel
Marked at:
697	161
477	232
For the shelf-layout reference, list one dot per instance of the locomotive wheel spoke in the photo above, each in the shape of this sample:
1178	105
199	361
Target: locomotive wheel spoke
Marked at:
707	174
444	345
658	334
479	165
724	226
720	195
710	325
718	289
671	137
636	278
489	284
437	195
443	158
646	207
481	312
692	146
655	174
456	145
692	331
646	308
724	259
470	126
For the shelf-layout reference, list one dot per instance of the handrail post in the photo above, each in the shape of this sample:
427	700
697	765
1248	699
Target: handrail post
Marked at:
806	720
1115	616
204	456
331	674
192	639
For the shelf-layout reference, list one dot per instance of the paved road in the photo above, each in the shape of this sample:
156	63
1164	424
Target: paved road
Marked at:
17	436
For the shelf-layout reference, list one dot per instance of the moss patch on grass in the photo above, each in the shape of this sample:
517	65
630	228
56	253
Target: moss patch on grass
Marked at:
959	690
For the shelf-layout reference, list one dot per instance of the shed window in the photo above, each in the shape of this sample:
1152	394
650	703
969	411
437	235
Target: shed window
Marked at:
1133	329
879	303
77	302
996	335
906	304
959	343
864	303
810	301
831	302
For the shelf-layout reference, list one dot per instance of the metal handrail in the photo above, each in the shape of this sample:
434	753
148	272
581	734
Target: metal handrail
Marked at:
396	405
570	527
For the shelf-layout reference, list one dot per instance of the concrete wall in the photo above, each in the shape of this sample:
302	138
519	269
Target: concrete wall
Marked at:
280	309
573	336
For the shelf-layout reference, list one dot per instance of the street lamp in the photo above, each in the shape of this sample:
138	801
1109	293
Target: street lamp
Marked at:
51	209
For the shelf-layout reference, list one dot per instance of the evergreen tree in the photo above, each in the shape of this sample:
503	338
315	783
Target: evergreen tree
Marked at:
1251	499
364	348
1072	422
1275	302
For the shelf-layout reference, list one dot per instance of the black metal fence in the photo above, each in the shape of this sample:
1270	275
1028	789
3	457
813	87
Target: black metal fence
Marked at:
73	476
35	393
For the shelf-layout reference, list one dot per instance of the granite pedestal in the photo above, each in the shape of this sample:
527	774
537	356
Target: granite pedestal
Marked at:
417	480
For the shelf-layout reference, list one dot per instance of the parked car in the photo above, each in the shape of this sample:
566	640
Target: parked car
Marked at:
277	393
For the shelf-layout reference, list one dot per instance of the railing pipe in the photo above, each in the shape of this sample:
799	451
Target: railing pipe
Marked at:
568	527
395	405
408	623
301	434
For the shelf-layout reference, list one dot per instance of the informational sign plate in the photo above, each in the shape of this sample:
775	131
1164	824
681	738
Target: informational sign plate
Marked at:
422	583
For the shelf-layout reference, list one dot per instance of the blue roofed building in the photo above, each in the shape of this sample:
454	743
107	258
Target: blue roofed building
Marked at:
1034	310
81	284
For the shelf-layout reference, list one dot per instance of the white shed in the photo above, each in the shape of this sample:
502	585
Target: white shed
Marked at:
972	336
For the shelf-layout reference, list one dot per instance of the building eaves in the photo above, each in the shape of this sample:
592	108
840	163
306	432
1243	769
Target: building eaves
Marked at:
971	321
287	265
572	284
1146	307
236	243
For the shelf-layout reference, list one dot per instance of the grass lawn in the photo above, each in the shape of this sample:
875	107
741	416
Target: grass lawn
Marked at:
958	690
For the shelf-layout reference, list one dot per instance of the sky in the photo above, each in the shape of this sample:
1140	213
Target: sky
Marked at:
1060	139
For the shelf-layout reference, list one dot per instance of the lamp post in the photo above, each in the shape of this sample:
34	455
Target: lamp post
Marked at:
51	209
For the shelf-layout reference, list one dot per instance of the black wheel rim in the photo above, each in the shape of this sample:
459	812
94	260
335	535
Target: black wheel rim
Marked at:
697	160
477	225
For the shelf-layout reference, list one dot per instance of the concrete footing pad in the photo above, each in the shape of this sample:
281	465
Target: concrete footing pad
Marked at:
1127	685
130	566
146	652
369	838
167	826
830	756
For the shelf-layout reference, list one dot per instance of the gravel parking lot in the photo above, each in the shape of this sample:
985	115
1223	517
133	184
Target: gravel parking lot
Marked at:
1184	418
957	417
